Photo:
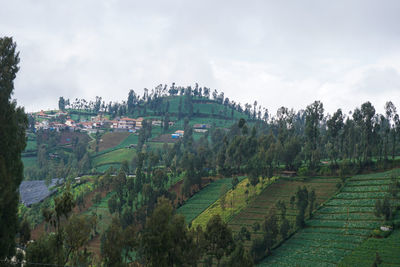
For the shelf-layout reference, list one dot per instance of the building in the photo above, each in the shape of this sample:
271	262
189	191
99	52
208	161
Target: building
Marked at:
126	123
156	123
201	126
70	123
139	122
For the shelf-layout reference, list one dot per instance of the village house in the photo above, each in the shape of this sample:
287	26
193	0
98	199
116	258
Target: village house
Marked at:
201	126
139	122
86	125
156	123
44	125
70	123
126	123
42	115
57	126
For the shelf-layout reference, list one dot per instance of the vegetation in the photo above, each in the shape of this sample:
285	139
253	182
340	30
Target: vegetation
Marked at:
337	228
13	123
209	197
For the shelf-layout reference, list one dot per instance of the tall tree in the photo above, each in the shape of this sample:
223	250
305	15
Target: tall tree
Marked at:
13	123
131	101
61	103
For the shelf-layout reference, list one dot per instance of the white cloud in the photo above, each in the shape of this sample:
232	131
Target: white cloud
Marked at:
340	52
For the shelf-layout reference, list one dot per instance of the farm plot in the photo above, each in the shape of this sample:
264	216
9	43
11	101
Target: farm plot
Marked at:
110	140
282	190
116	156
387	248
235	201
337	228
203	199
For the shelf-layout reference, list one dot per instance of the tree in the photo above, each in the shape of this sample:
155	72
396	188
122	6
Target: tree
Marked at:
77	234
219	238
13	123
239	257
270	231
61	103
314	114
112	244
131	101
24	232
166	240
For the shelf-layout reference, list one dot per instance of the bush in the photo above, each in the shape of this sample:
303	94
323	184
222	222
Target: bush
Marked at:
303	171
378	233
325	171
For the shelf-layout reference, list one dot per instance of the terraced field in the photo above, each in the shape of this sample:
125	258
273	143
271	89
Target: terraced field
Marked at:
203	199
364	255
235	201
338	228
282	190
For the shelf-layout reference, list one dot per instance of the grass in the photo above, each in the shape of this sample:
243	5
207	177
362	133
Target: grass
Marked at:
337	228
105	167
116	156
31	146
29	161
203	199
235	201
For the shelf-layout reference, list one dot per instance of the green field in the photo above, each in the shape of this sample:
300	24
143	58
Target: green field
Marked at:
31	146
336	229
116	156
282	190
203	199
364	255
29	161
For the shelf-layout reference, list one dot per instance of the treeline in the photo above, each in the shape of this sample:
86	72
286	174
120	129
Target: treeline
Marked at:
156	101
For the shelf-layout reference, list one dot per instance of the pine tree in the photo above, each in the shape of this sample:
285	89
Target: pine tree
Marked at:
13	123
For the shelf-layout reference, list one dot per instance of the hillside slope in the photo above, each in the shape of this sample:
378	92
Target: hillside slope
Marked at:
338	228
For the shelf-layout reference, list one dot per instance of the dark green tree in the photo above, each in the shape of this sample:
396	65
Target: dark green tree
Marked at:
61	103
219	238
13	123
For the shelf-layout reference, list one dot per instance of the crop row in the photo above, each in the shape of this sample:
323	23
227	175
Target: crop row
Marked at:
336	229
364	255
203	199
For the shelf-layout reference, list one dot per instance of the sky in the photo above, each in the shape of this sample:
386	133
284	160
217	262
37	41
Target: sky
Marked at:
280	53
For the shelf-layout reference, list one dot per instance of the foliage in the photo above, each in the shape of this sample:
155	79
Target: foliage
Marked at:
13	123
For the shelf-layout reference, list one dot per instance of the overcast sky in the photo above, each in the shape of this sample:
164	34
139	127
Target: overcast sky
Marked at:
280	53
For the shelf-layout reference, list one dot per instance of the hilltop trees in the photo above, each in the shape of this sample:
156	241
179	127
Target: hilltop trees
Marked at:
13	123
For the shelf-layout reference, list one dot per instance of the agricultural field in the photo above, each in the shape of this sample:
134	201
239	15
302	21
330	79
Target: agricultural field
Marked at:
29	161
337	228
128	140
110	140
203	199
115	156
31	145
235	201
364	255
282	189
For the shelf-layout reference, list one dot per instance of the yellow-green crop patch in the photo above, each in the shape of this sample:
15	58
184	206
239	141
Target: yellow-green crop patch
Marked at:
203	199
235	201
